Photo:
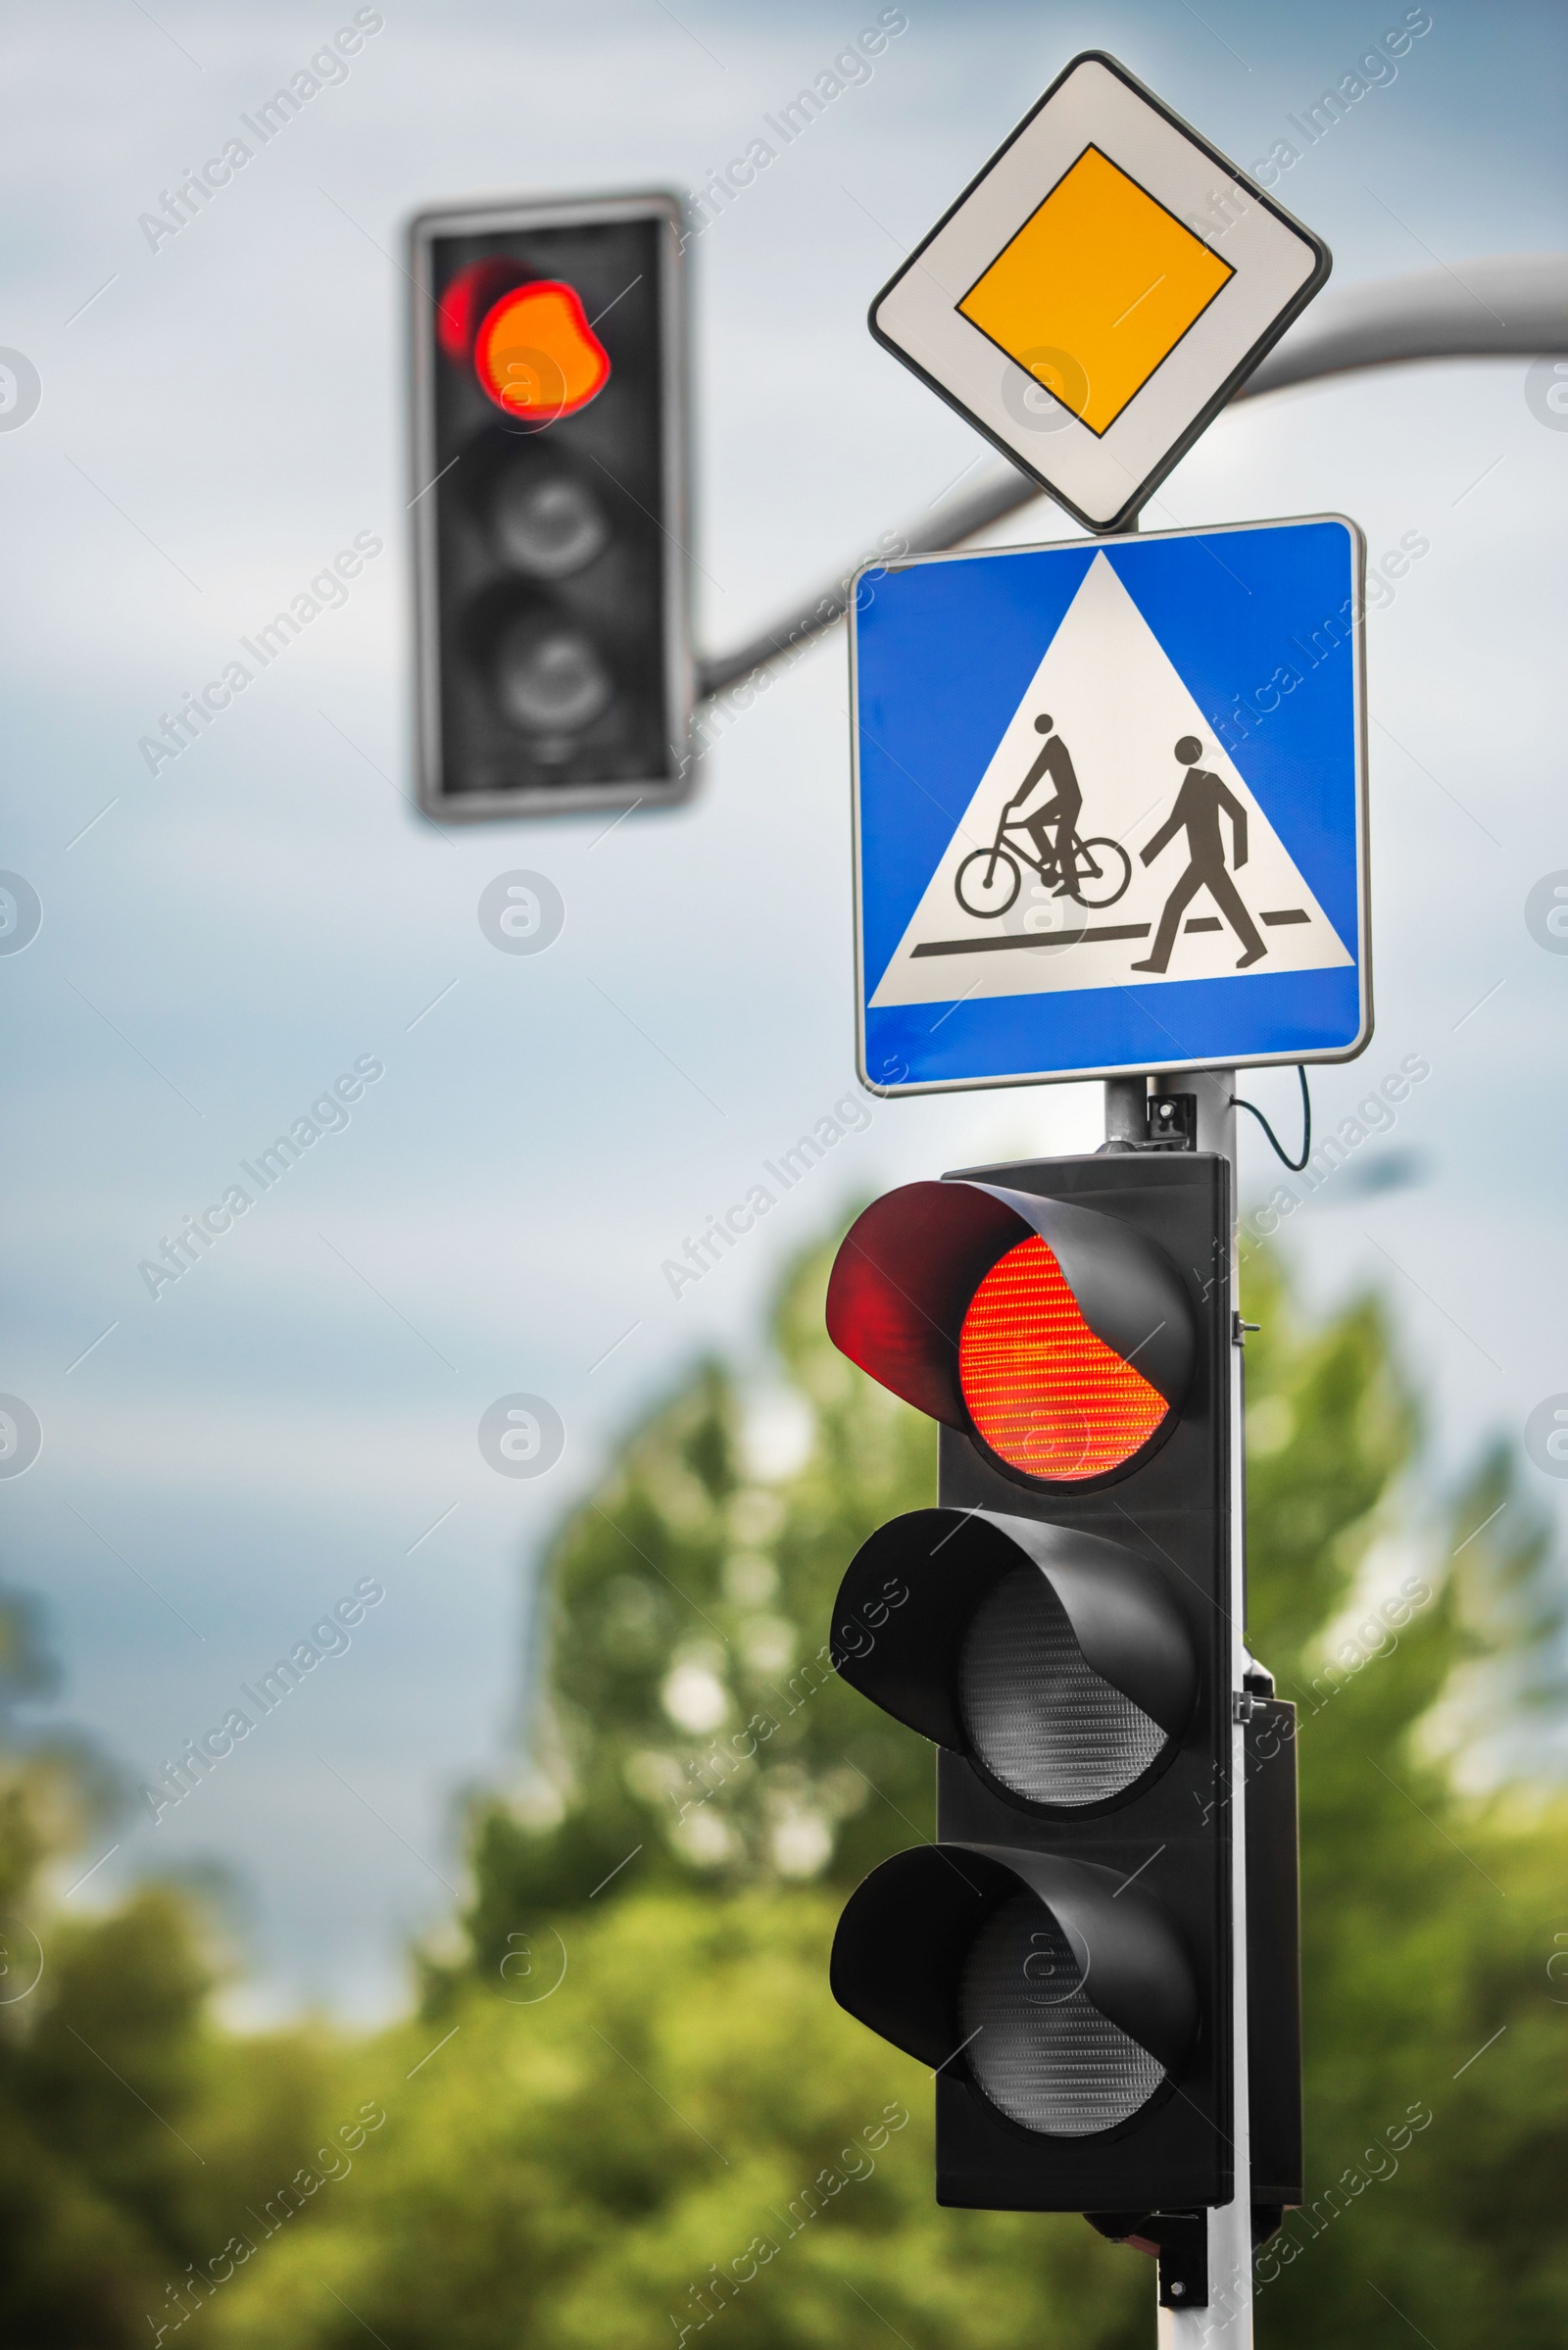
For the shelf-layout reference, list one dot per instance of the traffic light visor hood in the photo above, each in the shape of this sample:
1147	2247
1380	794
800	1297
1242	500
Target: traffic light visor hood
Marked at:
1061	1988
1057	1336
1057	1661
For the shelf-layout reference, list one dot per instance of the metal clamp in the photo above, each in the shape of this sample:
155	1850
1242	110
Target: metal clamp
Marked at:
1178	2241
1172	1122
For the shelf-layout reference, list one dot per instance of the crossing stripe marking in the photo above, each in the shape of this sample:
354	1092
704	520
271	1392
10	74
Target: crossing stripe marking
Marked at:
1084	938
1034	938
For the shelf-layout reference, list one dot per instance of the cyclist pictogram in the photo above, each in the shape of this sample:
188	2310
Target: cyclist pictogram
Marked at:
1095	873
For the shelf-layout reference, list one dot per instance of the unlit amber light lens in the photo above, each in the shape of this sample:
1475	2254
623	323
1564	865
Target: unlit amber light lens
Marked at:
1044	1393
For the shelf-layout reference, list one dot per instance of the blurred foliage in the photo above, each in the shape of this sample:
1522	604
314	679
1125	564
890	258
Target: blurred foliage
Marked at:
132	2132
682	2102
687	1708
632	2112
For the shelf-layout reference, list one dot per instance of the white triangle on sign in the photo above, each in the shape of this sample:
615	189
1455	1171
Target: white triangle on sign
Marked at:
1119	707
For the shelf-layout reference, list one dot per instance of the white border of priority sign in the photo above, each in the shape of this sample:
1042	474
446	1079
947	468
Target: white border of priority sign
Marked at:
1249	636
1120	190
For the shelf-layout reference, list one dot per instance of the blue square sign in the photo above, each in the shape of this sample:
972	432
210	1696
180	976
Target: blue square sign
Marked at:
1110	807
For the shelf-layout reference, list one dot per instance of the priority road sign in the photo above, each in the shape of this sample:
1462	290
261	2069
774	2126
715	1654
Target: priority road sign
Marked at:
1110	807
1098	293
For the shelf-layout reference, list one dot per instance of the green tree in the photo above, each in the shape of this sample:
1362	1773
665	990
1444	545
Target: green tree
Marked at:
690	1730
636	2113
132	2132
1428	1919
656	2123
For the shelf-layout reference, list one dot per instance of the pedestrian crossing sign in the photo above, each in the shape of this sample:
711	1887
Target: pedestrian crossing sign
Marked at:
1110	807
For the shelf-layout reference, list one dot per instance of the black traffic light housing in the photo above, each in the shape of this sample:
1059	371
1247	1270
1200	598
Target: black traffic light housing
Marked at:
549	505
1061	1628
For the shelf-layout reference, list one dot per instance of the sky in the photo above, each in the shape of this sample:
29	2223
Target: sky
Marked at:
296	1419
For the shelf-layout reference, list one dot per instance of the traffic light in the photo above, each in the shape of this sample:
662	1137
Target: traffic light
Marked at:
1061	1628
549	502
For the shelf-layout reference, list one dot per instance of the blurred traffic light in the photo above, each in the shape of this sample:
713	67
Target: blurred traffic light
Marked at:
1061	1628
549	500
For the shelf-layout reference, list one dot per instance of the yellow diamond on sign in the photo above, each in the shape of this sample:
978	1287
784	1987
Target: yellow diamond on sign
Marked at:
1096	288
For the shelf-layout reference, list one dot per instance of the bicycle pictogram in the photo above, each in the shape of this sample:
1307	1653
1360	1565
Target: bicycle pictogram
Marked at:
989	880
1092	872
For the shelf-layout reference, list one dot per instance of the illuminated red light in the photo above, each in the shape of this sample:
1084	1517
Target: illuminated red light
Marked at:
454	317
1044	1393
468	296
536	354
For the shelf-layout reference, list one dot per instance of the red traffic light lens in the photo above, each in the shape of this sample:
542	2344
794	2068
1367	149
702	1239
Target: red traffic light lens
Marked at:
536	355
468	298
1046	1395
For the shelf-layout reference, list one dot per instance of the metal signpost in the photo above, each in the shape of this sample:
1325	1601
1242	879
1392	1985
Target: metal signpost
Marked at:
1109	820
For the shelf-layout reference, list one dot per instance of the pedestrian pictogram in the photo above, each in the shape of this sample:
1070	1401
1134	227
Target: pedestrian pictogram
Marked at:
1197	814
1109	808
1099	291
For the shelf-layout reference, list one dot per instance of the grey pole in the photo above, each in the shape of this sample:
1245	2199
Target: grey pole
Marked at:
1126	1109
1227	2322
1512	307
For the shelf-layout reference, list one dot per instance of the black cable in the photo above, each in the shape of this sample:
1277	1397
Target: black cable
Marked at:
1296	1166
